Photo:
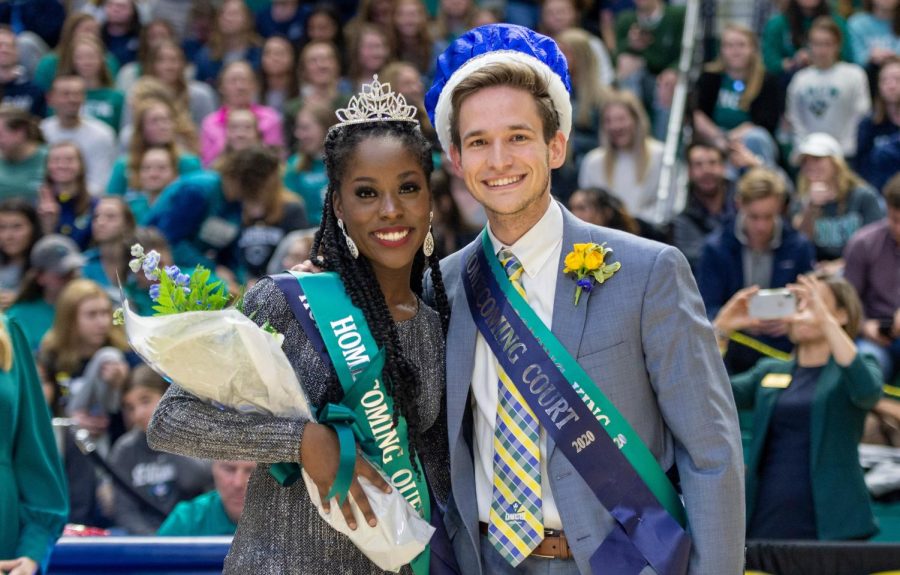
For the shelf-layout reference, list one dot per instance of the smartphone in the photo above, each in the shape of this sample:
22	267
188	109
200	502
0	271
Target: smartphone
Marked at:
886	327
773	304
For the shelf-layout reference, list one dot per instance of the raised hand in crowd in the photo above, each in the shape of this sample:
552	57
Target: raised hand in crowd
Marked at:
735	316
814	311
20	566
48	209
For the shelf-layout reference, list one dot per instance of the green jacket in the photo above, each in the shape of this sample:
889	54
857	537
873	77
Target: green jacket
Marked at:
33	495
843	397
777	43
665	48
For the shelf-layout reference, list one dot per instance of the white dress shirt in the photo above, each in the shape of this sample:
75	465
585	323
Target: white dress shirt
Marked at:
538	251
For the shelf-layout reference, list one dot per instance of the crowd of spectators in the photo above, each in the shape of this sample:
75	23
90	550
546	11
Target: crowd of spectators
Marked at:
196	128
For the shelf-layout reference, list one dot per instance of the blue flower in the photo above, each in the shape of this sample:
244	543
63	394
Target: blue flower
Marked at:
154	292
182	279
172	271
586	284
151	262
186	290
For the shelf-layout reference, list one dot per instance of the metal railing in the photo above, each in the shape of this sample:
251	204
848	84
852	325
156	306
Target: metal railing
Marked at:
670	197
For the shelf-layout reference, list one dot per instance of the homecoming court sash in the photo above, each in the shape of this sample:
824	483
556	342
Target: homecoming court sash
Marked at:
341	337
598	441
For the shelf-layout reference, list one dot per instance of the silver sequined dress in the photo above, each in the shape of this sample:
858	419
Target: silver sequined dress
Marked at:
280	530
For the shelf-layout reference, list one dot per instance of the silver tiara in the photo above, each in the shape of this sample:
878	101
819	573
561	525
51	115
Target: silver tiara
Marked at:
376	103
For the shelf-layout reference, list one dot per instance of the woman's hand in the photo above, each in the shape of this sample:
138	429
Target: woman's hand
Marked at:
48	210
320	454
307	266
814	310
20	566
735	314
95	424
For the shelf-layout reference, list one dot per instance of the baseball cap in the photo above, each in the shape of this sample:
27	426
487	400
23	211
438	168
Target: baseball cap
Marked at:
57	254
819	145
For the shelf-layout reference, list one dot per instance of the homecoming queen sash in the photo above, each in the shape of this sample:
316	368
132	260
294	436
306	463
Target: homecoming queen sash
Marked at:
342	339
596	439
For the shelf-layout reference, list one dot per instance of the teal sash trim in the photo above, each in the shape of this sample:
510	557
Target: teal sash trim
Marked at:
615	425
367	408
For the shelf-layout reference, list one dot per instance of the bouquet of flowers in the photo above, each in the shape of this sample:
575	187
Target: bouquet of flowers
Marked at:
223	357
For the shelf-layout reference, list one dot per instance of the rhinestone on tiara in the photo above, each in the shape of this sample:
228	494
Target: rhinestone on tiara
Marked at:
376	103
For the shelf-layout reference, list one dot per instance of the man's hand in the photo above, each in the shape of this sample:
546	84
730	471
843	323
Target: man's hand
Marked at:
20	566
95	424
639	39
307	266
320	454
871	331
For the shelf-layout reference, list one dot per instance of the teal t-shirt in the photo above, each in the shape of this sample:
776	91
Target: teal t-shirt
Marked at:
23	179
105	104
202	515
728	113
34	317
310	184
118	179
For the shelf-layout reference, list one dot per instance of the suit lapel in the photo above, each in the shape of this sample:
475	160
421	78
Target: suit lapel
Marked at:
460	357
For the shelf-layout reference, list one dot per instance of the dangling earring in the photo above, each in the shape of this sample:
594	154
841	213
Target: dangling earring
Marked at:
351	245
428	246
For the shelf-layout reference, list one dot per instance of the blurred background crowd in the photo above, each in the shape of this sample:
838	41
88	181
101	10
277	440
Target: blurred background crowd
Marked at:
760	138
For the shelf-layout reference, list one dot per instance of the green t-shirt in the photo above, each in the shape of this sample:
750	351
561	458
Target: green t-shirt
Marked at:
202	515
34	317
664	47
728	113
106	105
23	179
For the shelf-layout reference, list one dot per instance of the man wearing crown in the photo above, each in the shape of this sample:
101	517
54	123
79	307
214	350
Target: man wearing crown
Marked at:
591	424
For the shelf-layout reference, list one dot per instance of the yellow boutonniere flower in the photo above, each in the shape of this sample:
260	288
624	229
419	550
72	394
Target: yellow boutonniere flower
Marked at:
587	263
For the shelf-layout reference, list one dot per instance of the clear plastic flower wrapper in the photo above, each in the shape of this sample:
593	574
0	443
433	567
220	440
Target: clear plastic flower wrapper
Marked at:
225	358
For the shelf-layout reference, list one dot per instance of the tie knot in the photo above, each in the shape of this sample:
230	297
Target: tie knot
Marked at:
510	263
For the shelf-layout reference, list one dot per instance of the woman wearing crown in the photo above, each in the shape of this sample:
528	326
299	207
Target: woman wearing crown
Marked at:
375	238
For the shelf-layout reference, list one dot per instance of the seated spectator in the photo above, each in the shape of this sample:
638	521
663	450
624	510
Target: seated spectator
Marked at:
829	96
305	173
152	35
216	512
64	205
786	36
201	214
320	81
283	18
601	207
191	99
755	248
324	24
231	40
871	261
120	30
95	140
412	36
239	91
43	17
278	73
878	138
155	120
19	231
710	201
834	202
629	161
199	26
875	32
158	169
106	263
736	99
803	477
648	39
560	16
292	250
78	25
241	132
589	90
161	478
379	13
22	154
15	86
55	261
405	79
369	51
149	89
102	101
454	18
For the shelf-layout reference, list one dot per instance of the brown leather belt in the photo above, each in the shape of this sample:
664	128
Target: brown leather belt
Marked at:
554	546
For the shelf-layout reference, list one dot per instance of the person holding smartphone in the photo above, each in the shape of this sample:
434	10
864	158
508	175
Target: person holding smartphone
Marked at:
803	477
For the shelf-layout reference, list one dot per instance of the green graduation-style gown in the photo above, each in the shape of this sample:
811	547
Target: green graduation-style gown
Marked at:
33	497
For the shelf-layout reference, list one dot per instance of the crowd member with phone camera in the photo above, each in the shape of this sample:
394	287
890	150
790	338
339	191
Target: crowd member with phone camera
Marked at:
803	478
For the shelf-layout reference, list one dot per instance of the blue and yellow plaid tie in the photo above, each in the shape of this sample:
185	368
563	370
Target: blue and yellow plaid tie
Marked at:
517	524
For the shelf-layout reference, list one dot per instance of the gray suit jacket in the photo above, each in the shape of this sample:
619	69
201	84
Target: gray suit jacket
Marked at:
643	337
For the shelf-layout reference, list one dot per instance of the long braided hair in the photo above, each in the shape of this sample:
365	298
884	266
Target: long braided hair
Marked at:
401	377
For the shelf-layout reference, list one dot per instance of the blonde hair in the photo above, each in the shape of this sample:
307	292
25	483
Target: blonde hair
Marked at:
756	73
67	60
63	338
640	145
151	88
6	348
847	181
138	145
591	91
760	183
